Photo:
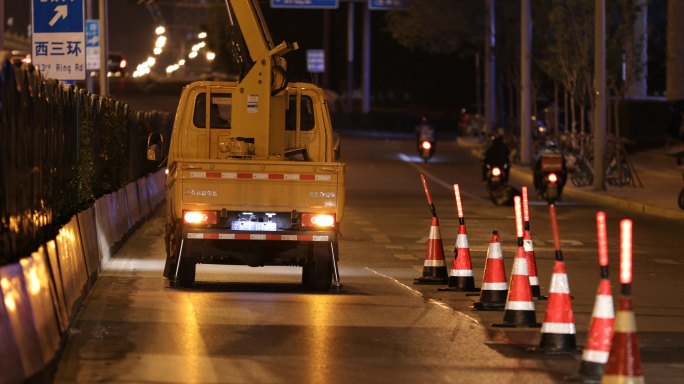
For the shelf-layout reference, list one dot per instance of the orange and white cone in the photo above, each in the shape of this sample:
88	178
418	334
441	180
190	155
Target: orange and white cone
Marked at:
624	360
434	268
494	283
461	278
597	347
519	310
558	330
532	265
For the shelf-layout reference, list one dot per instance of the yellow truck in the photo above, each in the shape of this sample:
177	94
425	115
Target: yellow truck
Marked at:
252	171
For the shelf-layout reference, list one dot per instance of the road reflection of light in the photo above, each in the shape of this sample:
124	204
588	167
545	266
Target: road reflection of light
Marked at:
191	344
129	264
320	341
8	292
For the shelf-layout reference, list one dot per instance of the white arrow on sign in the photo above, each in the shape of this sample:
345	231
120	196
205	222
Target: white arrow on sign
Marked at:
62	11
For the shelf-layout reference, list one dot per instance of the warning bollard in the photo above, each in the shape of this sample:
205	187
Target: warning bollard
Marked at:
597	346
434	268
519	310
461	278
558	329
494	284
624	360
529	249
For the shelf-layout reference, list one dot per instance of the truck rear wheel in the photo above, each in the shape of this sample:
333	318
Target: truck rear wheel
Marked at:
186	273
317	273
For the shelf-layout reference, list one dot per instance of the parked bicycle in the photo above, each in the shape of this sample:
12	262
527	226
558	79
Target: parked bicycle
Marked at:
583	173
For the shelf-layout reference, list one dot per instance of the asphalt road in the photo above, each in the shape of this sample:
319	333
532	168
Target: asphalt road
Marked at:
241	324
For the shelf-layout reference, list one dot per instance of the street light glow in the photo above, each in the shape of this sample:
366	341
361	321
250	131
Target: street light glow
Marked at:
160	30
211	56
192	55
202	35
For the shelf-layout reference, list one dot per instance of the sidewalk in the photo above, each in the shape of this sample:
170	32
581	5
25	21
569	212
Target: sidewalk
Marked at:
659	173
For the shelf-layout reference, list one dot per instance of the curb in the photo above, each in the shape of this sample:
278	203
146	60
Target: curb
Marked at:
628	205
570	190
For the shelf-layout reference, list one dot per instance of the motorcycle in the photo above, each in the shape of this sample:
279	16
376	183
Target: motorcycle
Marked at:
426	149
550	177
497	177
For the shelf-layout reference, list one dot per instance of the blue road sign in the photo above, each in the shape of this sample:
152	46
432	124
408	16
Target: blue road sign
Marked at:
315	60
57	16
304	3
58	38
388	4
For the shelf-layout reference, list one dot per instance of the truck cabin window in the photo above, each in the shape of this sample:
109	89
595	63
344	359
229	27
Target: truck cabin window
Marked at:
307	114
219	111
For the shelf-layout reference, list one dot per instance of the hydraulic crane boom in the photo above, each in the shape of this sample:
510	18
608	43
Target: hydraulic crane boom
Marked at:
261	98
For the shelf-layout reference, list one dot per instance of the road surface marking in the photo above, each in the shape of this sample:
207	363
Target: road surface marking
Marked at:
370	229
380	238
404	256
439	181
667	261
418	268
423	240
568	242
362	222
394	247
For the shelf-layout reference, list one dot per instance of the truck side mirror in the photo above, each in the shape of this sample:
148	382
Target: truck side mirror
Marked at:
336	145
155	142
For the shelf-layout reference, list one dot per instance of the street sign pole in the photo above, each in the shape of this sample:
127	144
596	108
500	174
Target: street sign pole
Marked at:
104	48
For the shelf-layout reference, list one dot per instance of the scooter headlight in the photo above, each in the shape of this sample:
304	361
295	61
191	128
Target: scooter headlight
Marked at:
496	171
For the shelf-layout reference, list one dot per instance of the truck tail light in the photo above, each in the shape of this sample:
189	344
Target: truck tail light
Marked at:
318	220
199	217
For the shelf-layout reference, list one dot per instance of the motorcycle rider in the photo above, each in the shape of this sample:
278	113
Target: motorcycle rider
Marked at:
425	131
497	155
551	148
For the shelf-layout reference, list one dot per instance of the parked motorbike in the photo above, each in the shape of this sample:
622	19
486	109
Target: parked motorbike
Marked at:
550	177
497	177
426	149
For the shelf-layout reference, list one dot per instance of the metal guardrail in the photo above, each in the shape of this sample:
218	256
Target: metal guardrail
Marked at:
60	149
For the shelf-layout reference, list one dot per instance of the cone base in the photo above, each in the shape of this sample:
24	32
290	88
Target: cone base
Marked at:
583	379
431	280
519	319
536	293
589	372
458	289
484	306
461	284
555	351
558	344
517	325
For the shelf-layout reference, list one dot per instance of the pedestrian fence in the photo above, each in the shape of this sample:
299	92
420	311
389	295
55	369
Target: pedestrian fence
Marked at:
61	148
74	183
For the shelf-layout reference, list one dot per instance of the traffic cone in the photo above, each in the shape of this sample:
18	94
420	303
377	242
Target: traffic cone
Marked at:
461	278
558	330
434	268
597	347
494	283
624	360
532	265
519	310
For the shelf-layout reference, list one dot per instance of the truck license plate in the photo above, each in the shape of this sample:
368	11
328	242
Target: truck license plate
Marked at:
252	226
